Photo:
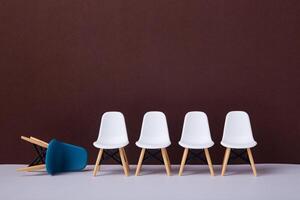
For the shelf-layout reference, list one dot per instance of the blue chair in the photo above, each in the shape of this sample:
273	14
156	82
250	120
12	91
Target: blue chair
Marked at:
63	157
56	156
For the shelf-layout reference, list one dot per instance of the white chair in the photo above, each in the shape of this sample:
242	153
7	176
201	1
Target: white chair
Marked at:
154	135
237	134
196	135
112	135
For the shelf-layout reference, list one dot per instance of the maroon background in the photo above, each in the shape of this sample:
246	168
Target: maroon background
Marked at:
64	63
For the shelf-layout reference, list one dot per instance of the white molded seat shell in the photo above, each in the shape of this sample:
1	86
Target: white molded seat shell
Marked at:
237	132
195	132
154	132
112	133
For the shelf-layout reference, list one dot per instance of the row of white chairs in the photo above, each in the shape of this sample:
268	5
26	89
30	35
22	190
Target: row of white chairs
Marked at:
154	135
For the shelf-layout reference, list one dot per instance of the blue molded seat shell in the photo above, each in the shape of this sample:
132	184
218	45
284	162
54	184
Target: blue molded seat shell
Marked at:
63	157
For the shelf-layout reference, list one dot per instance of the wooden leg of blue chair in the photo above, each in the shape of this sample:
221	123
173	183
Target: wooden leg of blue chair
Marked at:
139	166
34	141
97	165
251	161
211	169
125	168
38	140
32	168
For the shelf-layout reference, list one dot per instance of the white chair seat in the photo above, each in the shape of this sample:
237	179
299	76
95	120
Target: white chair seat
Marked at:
199	145
112	133
195	132
238	145
154	132
101	145
152	146
237	132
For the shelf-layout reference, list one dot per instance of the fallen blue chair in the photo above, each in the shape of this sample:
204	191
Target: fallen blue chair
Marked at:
56	156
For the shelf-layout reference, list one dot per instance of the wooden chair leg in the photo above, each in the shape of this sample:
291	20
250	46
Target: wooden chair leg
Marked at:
97	164
183	160
165	158
124	164
211	169
32	168
225	161
251	161
139	166
32	141
126	160
168	159
41	141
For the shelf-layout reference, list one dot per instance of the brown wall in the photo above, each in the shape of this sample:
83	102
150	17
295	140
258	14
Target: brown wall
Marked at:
64	63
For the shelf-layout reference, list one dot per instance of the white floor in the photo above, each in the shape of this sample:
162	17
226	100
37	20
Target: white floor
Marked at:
274	181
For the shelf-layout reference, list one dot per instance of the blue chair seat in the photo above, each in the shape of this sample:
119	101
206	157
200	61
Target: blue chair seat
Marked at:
63	157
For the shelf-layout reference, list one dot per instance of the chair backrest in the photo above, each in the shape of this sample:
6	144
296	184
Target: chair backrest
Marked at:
195	127
237	128
113	128
155	128
63	157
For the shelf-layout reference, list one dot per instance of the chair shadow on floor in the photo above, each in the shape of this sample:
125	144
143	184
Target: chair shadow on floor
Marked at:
246	170
35	173
193	169
44	173
109	172
262	170
159	170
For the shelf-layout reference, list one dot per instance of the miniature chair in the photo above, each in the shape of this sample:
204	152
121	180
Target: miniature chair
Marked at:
154	136
238	135
112	135
196	135
56	156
